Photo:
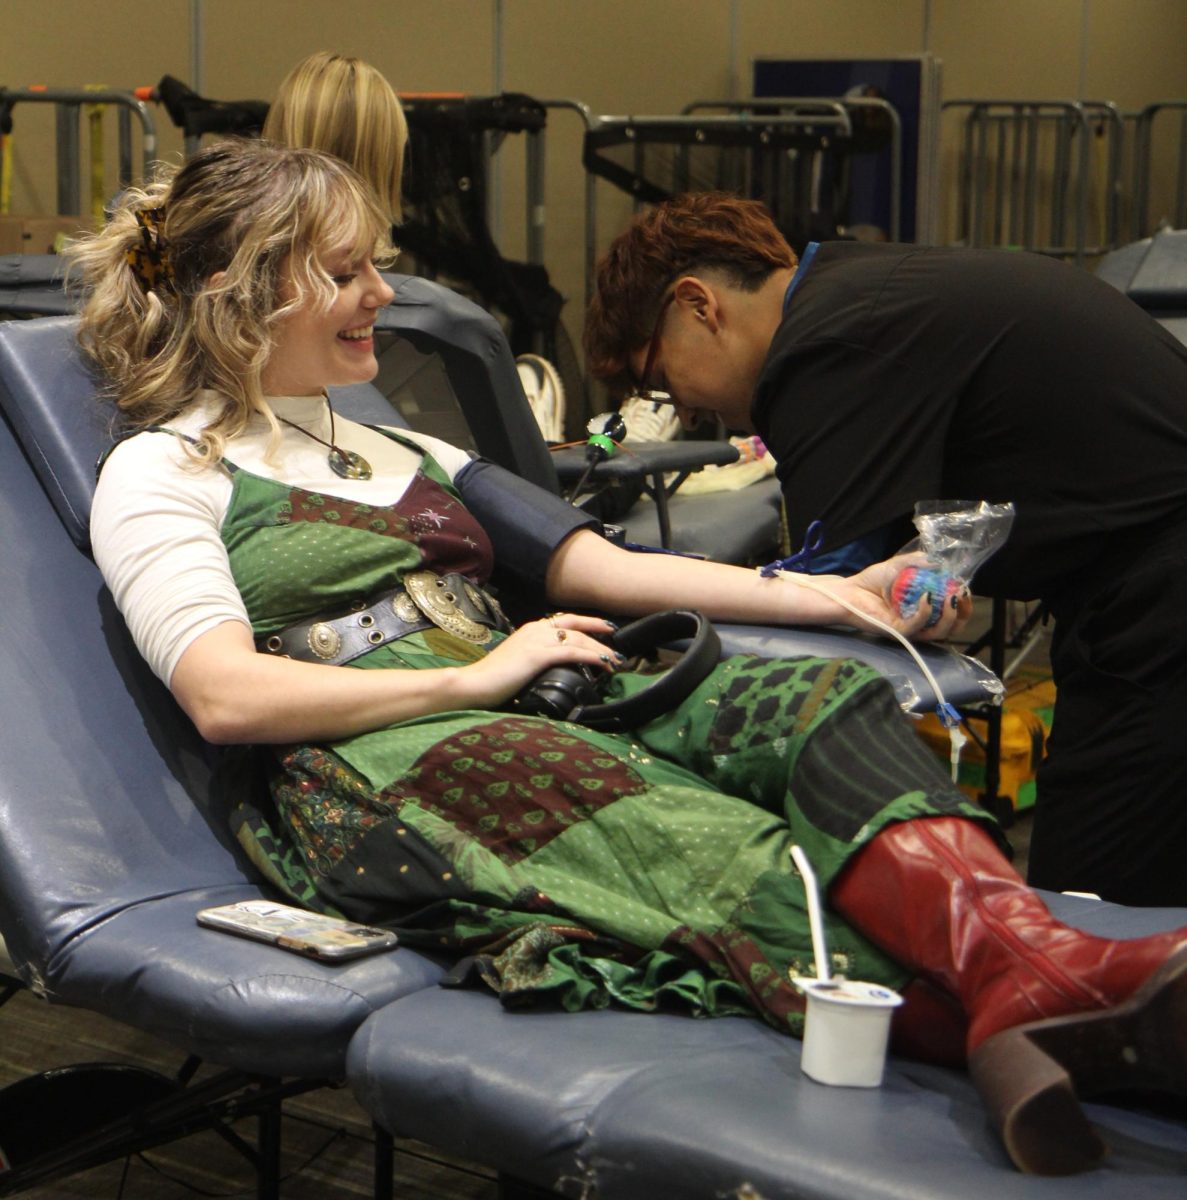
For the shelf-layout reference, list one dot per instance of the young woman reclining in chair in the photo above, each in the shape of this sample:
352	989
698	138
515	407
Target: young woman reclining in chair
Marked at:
647	868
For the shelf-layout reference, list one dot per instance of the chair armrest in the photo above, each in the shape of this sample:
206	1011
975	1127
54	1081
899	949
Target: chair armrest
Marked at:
641	459
963	680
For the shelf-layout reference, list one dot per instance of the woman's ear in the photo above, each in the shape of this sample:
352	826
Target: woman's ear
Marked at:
701	299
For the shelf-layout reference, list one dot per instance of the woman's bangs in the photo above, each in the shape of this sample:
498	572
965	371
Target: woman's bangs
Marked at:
354	224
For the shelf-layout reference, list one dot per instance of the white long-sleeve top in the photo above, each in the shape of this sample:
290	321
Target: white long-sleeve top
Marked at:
157	515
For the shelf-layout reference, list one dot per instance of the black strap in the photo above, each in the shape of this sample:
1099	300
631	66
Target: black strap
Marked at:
571	693
669	689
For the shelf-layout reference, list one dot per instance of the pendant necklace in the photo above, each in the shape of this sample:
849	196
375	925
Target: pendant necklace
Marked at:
346	464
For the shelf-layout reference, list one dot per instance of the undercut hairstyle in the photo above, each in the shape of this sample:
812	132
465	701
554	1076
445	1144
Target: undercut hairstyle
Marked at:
692	234
259	217
345	107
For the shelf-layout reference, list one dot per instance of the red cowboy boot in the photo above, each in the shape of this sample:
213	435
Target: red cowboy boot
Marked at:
930	1026
1052	1011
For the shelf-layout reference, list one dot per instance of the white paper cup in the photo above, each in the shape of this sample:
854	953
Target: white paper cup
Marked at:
846	1028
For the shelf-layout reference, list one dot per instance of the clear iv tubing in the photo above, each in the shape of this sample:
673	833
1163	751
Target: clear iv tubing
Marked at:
947	713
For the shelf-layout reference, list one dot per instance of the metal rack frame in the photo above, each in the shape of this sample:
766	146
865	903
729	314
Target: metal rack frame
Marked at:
1143	138
1002	163
836	112
69	104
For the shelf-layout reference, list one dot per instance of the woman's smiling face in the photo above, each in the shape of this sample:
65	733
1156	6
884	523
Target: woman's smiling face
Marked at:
316	347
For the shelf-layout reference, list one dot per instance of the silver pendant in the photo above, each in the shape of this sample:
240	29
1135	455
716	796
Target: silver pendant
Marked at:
346	464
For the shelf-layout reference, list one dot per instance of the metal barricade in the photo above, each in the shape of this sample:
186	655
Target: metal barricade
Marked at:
821	113
762	143
70	103
1143	224
826	112
1028	175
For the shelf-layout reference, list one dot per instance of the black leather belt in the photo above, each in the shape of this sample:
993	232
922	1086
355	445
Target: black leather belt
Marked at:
427	600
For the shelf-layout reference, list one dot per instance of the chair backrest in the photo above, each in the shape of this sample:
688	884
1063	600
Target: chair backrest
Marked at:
51	402
33	285
480	370
476	366
93	743
50	397
105	788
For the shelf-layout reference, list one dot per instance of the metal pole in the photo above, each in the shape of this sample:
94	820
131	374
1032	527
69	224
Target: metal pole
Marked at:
1085	132
124	167
1141	173
534	187
69	195
1000	175
1031	209
977	232
1017	197
197	49
1061	167
1180	214
588	120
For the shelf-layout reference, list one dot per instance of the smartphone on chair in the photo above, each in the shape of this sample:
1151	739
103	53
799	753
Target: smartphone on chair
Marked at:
315	935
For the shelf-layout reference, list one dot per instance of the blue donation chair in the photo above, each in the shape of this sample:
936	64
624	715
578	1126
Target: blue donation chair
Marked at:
113	827
113	834
1153	274
729	526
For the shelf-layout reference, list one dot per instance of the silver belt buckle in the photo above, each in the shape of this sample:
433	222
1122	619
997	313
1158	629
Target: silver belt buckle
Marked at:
431	594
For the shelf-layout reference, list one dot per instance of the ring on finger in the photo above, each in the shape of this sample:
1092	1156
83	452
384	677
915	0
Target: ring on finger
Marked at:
561	634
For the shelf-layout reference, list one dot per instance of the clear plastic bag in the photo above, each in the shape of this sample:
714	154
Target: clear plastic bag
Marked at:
955	538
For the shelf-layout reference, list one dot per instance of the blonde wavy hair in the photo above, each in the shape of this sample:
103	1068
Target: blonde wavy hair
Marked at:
244	227
344	107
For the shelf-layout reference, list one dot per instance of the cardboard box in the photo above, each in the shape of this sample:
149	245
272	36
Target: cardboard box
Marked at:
37	235
1026	723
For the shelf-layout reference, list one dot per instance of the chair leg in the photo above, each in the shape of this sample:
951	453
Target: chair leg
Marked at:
268	1163
385	1155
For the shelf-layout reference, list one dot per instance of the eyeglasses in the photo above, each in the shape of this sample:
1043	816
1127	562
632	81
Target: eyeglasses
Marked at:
642	391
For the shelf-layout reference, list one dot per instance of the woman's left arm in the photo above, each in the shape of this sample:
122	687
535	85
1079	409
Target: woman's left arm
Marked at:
588	572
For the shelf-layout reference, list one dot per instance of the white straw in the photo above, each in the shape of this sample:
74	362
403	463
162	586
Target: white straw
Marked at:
819	947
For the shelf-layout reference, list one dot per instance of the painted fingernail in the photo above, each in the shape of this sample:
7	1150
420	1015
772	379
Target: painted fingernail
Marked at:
604	657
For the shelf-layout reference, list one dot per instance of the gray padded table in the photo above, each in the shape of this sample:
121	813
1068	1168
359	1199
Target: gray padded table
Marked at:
630	1106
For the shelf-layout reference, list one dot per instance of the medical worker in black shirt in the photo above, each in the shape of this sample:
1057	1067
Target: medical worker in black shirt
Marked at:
881	375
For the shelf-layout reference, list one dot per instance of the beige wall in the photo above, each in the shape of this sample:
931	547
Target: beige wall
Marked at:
617	56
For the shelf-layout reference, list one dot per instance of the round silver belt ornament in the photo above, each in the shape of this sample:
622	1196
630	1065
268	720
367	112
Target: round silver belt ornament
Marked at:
431	595
324	640
403	607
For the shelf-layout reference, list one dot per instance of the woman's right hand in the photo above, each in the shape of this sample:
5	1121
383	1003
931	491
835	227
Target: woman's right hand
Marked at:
563	638
234	694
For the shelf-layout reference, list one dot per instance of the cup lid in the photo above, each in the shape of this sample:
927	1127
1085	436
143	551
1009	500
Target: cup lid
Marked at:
848	991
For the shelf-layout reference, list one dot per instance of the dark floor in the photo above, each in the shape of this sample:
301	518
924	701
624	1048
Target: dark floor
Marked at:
327	1143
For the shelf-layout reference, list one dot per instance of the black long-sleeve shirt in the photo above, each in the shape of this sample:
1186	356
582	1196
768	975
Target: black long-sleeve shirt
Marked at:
905	373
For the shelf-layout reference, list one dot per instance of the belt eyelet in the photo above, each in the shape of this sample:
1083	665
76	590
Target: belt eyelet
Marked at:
274	644
366	620
375	637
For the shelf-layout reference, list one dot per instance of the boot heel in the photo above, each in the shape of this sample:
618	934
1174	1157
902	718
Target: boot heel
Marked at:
1031	1102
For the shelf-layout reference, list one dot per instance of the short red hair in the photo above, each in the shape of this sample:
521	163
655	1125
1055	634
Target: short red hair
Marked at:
695	232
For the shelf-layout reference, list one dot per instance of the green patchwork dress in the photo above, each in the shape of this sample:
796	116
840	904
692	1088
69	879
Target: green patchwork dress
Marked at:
554	862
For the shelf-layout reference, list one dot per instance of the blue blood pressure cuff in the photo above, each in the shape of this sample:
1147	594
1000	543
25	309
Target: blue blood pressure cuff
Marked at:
525	523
